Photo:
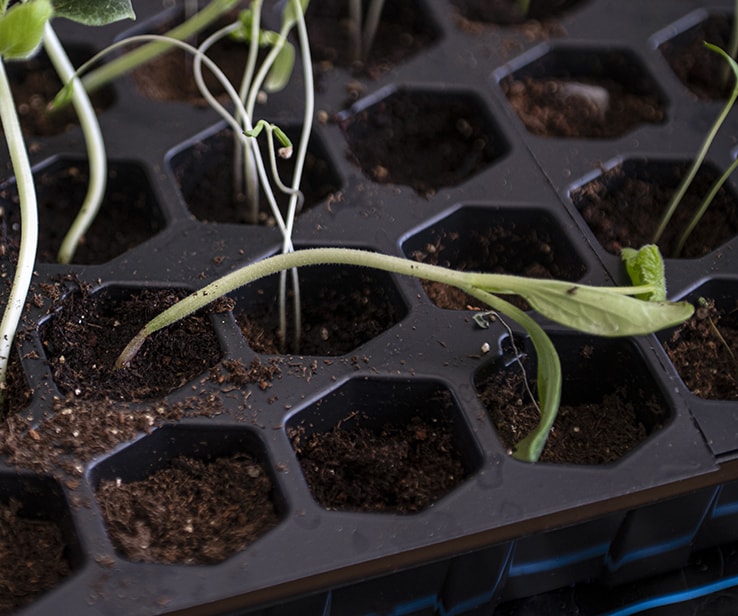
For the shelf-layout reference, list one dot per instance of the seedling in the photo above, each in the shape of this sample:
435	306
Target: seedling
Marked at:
22	28
364	30
701	154
604	311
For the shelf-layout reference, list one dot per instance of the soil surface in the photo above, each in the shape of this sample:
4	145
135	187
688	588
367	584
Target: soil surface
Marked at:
87	332
704	351
337	316
205	177
423	140
586	433
403	31
624	209
127	217
32	557
508	12
34	84
548	107
191	512
703	71
499	249
401	467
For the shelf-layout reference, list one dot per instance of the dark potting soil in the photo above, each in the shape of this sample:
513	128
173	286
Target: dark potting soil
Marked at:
402	32
34	84
547	111
79	430
401	468
625	211
205	177
703	71
32	557
500	249
191	512
586	433
127	216
508	12
421	140
336	317
704	351
87	332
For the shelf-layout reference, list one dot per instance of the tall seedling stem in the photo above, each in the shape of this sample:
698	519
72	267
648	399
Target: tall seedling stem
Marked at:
701	154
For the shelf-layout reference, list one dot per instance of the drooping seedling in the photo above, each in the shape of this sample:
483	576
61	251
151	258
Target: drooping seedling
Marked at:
604	311
22	28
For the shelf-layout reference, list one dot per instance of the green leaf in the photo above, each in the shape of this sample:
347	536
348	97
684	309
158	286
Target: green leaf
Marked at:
94	12
601	311
646	267
548	377
281	71
22	28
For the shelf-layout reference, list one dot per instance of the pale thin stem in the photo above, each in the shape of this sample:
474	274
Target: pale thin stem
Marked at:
98	164
703	207
355	21
118	67
371	25
29	225
687	181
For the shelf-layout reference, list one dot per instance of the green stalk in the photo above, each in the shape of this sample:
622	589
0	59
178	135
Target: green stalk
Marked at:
605	311
549	378
98	164
687	181
29	225
120	66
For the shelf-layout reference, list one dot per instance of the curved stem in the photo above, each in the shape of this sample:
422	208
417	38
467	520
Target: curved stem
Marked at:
29	225
98	164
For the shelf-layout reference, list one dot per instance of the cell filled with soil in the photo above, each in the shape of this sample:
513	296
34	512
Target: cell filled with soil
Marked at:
704	349
704	72
511	12
610	402
129	214
404	30
383	446
205	174
624	205
87	331
424	139
38	543
188	495
35	83
492	239
342	308
584	93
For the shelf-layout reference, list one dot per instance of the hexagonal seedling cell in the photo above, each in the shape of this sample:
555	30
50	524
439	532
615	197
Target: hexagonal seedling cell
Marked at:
87	331
35	83
169	77
188	495
343	307
704	349
509	12
623	207
423	139
204	172
515	240
129	214
38	543
384	445
701	70
404	30
610	402
584	93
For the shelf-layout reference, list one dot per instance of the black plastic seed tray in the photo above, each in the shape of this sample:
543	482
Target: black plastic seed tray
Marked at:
505	529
